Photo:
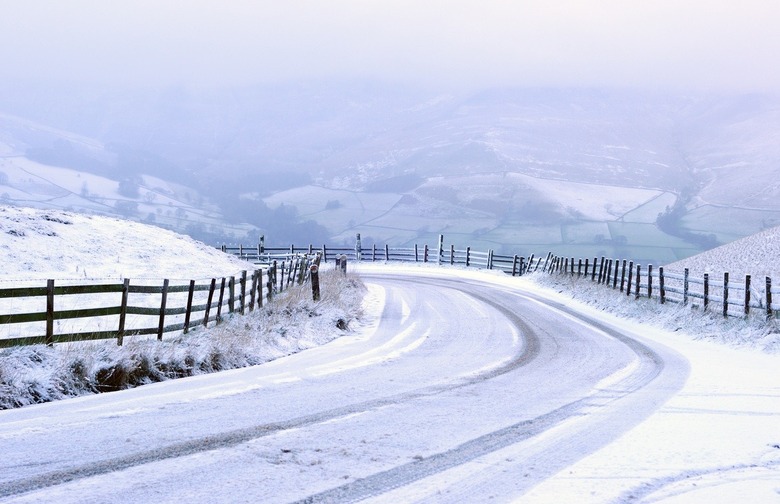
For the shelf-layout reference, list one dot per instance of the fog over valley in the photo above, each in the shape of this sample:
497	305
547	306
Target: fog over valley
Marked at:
647	132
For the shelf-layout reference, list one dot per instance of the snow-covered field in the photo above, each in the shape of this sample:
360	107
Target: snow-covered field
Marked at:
715	440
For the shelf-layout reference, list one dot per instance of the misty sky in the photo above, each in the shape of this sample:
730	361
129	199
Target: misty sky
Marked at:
443	43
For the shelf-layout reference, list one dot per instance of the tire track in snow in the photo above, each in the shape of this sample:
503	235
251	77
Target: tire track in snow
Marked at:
650	366
236	437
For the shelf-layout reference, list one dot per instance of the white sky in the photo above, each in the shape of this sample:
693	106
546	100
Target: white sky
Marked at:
471	43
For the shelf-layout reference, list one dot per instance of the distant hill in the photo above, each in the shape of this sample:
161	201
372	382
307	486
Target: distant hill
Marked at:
586	172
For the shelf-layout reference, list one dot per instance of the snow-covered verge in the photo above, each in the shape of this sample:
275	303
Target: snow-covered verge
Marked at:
67	246
293	322
754	332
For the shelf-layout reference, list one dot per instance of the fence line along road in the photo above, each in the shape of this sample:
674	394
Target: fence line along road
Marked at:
729	297
172	308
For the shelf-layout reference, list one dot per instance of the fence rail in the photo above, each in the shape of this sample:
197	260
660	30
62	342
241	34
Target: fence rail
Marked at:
120	310
734	298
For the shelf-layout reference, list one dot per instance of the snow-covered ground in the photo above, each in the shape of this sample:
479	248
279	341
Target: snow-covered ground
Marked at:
757	255
715	440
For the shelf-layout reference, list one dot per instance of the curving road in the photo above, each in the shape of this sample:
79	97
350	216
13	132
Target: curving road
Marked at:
465	391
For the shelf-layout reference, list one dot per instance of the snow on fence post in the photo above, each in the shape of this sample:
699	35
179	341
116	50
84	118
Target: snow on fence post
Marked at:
747	295
358	248
188	313
232	294
768	298
706	291
661	287
638	281
440	249
623	277
630	277
259	287
726	294
261	245
252	291
547	260
514	264
120	334
343	264
271	272
50	312
219	302
315	282
649	281
615	276
208	303
161	326
425	253
242	302
685	287
468	256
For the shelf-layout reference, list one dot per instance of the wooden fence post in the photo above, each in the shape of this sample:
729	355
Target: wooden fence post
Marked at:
747	295
587	264
242	301
120	334
706	291
259	288
490	259
358	248
425	253
232	294
187	314
514	265
579	267
452	254
440	248
252	291
630	277
315	282
649	281
161	326
387	252
623	277
208	303
219	302
768	298
593	273
685	287
50	312
661	287
726	294
373	252
270	294
468	256
638	281
324	254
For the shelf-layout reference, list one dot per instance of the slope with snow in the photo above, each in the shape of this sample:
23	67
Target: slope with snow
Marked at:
757	255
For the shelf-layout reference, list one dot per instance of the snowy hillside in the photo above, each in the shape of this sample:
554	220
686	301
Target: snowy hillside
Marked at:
42	244
757	255
37	245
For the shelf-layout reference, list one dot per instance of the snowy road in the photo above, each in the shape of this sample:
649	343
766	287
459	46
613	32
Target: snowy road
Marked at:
462	391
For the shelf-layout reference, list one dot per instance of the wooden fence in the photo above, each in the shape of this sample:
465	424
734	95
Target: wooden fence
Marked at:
173	307
732	298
